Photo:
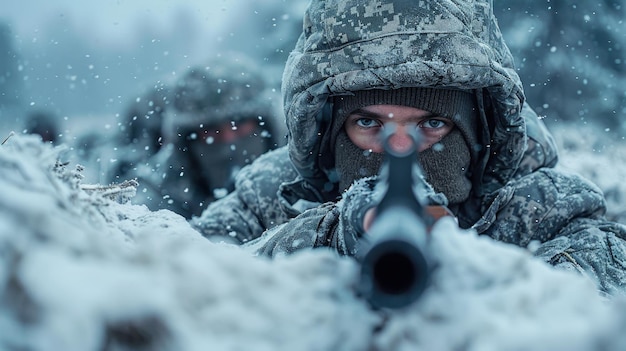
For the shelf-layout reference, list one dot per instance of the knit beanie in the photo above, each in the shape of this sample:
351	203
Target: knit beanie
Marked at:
446	164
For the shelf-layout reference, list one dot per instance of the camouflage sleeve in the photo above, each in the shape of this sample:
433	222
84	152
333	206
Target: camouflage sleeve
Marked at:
338	226
565	214
253	207
592	247
332	225
304	231
228	219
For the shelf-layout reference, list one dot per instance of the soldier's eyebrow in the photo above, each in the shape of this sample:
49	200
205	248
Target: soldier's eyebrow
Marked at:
369	114
365	113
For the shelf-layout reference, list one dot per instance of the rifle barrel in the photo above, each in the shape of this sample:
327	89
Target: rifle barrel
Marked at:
394	268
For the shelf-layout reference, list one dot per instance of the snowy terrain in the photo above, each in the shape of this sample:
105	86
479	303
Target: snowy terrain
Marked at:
85	269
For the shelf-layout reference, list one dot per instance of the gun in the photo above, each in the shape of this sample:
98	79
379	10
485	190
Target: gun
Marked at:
394	257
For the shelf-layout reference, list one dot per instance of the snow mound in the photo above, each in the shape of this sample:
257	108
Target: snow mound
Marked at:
83	268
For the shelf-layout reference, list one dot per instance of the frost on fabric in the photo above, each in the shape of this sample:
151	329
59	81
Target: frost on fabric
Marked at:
82	270
599	158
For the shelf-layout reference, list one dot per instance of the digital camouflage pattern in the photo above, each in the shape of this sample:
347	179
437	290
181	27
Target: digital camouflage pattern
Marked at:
517	197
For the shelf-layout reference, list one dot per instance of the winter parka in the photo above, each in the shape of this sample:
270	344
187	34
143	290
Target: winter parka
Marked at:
517	196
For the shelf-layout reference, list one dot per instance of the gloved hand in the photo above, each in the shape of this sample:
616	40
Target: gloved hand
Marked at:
360	198
358	207
337	225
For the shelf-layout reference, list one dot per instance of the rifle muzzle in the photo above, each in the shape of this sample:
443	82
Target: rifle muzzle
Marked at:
394	270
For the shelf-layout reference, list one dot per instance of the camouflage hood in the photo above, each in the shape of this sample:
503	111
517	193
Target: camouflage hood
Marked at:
352	45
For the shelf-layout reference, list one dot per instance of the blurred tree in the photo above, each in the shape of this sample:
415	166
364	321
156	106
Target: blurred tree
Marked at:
571	58
10	80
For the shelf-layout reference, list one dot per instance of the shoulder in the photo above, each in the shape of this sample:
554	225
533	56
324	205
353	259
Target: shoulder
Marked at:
253	206
551	192
267	173
257	185
558	182
540	205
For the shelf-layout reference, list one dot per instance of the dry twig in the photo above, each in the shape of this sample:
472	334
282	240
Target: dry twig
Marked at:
7	138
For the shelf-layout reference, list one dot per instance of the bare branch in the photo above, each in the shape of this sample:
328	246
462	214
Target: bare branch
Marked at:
7	138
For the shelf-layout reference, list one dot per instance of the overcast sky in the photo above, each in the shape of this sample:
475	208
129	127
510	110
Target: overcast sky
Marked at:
110	20
93	57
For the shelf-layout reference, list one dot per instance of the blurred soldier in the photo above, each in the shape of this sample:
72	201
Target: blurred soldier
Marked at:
140	136
221	116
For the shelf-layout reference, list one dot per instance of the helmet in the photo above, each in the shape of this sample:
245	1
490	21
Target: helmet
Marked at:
227	89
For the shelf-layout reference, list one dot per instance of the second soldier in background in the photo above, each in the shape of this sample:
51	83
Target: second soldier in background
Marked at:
217	118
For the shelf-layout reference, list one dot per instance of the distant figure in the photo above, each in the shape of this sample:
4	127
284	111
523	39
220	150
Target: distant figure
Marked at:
140	136
44	124
220	117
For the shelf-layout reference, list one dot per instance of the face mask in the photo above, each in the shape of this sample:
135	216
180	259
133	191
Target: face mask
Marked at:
218	164
445	165
352	162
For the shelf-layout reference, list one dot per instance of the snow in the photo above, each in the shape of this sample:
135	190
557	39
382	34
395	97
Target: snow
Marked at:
86	63
598	156
86	269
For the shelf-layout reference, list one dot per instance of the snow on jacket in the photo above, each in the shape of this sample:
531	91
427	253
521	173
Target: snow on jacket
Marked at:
353	45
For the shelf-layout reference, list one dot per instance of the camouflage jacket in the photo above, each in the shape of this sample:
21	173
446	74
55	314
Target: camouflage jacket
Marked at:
517	195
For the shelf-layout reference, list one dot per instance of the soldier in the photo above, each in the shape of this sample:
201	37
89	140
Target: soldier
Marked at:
220	117
140	132
440	67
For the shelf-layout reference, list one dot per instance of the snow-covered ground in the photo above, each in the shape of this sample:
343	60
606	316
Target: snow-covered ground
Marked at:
84	269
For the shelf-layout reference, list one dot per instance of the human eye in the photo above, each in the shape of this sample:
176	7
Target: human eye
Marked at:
364	122
433	123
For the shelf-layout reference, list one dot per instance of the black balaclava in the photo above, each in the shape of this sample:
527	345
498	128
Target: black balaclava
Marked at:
446	164
217	163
